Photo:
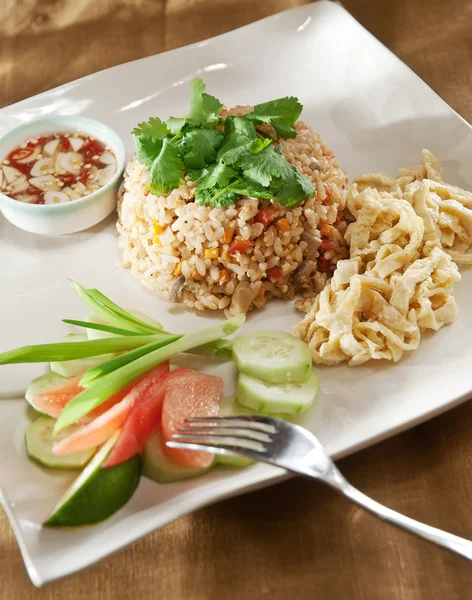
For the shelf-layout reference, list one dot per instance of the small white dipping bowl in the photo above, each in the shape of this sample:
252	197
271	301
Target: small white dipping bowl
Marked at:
76	215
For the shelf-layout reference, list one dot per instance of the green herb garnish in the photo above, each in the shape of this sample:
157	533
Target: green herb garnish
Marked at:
225	162
111	383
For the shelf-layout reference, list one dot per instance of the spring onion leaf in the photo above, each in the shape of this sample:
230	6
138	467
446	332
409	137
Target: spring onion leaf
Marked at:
222	349
99	327
108	314
99	297
119	361
110	384
61	351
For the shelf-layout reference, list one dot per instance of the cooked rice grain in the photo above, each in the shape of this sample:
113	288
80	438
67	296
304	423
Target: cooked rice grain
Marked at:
179	249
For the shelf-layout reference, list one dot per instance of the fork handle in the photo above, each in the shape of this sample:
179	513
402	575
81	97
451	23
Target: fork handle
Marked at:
432	534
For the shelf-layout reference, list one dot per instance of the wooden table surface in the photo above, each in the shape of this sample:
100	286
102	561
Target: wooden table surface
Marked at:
296	540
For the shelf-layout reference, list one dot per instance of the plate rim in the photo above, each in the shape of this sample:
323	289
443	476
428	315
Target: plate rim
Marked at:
40	578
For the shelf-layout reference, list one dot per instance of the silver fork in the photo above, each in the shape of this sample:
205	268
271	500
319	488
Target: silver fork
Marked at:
297	450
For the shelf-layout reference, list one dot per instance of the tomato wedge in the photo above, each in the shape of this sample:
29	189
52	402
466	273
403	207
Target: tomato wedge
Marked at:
103	426
97	431
53	401
143	418
188	394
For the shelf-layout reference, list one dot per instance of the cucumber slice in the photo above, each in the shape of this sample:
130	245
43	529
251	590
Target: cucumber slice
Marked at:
97	492
229	408
41	384
273	356
269	398
39	442
71	368
157	466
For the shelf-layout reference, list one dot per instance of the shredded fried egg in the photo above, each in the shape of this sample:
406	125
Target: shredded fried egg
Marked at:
408	235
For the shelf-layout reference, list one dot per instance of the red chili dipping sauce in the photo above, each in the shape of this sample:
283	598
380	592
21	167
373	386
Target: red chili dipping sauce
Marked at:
56	168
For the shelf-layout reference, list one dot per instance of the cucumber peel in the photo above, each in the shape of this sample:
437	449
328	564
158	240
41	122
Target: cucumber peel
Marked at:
98	492
109	384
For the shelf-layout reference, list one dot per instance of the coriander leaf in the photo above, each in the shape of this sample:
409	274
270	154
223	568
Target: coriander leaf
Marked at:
167	169
154	127
283	130
217	198
288	192
239	135
203	107
246	187
292	189
304	182
176	124
217	175
264	165
198	147
259	144
285	110
147	148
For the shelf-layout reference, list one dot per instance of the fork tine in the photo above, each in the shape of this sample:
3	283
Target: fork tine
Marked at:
221	441
255	435
225	450
265	424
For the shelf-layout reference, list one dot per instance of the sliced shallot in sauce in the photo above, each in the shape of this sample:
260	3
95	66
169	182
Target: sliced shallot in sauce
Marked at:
56	168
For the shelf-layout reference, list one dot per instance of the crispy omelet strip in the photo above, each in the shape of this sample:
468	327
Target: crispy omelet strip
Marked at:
408	236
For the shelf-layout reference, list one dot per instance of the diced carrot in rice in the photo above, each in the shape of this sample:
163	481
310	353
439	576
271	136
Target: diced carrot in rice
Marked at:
283	225
228	236
326	230
196	275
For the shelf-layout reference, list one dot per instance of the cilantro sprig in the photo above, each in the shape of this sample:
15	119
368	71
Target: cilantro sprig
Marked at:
225	158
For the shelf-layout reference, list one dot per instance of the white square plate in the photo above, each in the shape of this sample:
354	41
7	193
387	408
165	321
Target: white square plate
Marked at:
373	111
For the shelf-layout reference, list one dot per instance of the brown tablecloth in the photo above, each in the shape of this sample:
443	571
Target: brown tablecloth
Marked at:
296	540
